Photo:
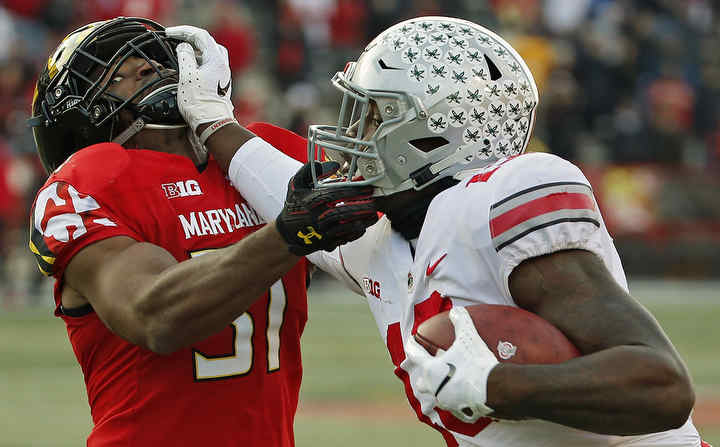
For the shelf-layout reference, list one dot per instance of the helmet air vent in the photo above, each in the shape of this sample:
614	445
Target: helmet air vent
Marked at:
428	144
494	71
384	66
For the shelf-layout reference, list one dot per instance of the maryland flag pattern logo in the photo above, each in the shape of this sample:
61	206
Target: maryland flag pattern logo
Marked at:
60	215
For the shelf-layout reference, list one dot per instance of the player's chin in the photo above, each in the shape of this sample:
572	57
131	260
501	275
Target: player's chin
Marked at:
399	200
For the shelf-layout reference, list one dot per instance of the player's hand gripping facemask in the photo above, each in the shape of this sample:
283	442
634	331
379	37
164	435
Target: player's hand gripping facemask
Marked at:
205	85
323	219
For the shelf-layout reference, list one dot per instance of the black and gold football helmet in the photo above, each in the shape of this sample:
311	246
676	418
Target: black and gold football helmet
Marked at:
72	107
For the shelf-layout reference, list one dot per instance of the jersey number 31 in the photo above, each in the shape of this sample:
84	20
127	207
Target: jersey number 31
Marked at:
241	360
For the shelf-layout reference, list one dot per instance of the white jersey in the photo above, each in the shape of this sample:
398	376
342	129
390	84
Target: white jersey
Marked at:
473	236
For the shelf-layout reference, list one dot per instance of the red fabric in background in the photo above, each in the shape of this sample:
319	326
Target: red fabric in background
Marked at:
348	23
25	8
107	9
240	43
11	203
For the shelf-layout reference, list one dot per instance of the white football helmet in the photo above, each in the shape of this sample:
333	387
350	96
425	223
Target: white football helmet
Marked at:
453	96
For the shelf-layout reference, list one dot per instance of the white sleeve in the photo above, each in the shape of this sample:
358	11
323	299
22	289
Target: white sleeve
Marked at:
541	204
334	264
261	174
348	263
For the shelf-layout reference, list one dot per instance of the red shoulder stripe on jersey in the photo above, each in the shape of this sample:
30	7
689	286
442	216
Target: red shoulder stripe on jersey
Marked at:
534	208
539	207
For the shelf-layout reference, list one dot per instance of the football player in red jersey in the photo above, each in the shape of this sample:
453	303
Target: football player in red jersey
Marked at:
183	307
436	115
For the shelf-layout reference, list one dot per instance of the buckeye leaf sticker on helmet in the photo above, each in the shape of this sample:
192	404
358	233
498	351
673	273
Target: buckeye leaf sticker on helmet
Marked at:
452	96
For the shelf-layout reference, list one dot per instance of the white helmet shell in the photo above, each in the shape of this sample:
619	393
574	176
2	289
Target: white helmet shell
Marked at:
453	96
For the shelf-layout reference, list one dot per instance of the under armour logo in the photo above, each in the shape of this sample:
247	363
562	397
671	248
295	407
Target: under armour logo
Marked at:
309	235
222	91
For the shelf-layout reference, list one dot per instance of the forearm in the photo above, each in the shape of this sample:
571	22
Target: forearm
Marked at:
259	171
623	390
225	142
194	299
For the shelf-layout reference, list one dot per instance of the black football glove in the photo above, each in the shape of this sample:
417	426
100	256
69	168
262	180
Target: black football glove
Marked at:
322	219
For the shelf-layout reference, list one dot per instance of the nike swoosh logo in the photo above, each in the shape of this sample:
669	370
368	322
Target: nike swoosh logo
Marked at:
447	378
431	268
222	91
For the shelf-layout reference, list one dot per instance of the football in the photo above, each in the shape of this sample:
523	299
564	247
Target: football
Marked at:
514	335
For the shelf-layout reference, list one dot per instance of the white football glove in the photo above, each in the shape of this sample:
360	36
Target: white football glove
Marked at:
204	90
456	379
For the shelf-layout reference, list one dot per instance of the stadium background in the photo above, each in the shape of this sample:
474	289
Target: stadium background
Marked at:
629	90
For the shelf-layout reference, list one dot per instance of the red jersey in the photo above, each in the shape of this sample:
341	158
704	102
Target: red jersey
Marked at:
238	387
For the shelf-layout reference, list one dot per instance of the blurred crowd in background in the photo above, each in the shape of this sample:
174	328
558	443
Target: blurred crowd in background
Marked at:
629	89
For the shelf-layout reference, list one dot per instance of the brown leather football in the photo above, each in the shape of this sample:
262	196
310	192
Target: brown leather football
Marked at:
514	335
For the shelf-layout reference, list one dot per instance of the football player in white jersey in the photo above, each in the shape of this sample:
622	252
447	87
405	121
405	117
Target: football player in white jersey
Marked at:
436	115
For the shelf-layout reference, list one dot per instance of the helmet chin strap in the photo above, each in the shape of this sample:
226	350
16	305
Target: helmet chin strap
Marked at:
139	124
165	126
163	96
128	133
200	150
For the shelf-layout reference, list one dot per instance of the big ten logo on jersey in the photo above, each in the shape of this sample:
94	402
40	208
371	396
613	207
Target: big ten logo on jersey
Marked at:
182	188
371	287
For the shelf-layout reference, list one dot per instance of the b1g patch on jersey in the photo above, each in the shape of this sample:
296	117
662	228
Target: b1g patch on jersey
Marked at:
60	215
540	207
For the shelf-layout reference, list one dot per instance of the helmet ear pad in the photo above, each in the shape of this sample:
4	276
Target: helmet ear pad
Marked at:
76	131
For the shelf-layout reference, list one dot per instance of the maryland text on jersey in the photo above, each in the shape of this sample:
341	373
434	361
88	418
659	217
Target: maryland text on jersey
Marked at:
219	221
